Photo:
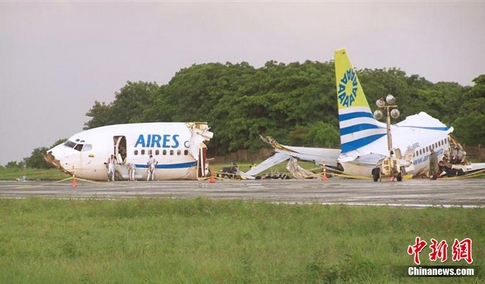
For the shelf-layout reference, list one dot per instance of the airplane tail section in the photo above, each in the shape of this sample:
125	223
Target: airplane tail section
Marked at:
358	127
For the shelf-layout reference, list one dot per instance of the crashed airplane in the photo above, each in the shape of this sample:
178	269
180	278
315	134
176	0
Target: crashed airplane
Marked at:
177	147
364	141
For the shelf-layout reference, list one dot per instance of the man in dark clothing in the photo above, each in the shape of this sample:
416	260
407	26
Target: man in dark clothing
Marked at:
433	165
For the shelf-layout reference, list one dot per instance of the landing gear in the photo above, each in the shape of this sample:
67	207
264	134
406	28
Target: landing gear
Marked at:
376	174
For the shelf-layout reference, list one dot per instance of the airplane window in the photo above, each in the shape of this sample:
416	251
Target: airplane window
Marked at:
171	152
69	144
87	147
157	152
136	152
164	152
79	147
143	152
179	152
186	152
150	152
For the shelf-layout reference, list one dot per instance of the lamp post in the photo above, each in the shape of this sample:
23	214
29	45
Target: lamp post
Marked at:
389	104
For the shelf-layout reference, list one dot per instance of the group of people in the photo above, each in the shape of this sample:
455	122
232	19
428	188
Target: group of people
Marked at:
445	166
151	168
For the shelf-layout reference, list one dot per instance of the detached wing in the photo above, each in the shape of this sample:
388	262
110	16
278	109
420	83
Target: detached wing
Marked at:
268	163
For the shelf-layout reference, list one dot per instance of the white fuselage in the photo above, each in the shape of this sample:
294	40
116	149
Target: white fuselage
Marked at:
171	145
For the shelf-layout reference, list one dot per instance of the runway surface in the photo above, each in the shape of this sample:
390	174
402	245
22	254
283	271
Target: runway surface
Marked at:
413	193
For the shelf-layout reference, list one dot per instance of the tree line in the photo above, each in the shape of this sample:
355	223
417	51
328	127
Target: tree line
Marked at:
295	103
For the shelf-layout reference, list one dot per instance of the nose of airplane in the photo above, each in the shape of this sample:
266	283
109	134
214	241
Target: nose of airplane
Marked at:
50	157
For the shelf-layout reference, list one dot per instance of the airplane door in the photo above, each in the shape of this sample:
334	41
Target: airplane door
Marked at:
120	148
202	163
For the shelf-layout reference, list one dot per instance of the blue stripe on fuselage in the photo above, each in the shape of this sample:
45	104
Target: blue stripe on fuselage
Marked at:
446	128
170	166
353	145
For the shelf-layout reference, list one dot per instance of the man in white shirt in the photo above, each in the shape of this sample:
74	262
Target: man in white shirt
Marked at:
152	163
111	168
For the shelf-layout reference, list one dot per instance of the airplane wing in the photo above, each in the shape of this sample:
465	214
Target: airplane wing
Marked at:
308	154
268	163
369	159
372	159
474	167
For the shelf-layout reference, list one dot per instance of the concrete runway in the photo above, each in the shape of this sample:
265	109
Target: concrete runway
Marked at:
413	193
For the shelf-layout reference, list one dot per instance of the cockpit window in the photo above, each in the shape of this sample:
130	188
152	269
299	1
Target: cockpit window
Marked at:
87	147
78	146
70	144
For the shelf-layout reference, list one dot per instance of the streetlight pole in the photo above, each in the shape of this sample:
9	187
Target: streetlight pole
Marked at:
391	111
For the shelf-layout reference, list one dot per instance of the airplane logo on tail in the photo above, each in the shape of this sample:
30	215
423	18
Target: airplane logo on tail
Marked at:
349	80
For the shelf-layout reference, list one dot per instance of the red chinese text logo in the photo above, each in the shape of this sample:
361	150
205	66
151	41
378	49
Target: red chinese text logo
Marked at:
460	250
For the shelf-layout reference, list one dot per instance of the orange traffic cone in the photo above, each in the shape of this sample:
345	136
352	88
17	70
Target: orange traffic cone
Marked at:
74	184
324	176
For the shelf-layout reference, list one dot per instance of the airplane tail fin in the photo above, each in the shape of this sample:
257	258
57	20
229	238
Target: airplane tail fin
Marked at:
358	127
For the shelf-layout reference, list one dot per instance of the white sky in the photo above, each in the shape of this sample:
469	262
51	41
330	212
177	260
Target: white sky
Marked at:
56	59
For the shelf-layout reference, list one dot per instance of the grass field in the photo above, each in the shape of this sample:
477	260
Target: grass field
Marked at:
208	241
31	174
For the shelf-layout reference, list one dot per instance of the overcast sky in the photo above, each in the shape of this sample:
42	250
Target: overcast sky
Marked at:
57	59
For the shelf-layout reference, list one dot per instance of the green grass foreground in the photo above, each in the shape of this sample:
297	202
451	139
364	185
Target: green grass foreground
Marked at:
209	241
31	174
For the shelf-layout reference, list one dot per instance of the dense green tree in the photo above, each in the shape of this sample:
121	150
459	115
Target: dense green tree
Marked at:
322	134
15	165
129	105
100	115
295	103
470	122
